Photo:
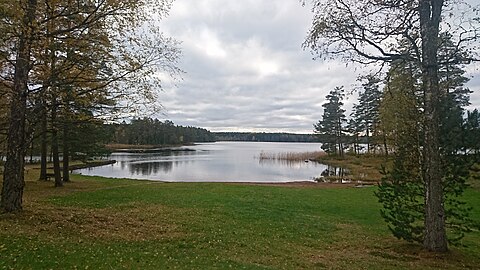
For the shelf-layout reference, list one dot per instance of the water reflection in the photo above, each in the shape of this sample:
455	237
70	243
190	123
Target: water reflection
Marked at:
335	171
287	163
149	168
222	161
333	174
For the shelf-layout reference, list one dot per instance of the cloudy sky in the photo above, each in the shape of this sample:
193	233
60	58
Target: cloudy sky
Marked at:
246	69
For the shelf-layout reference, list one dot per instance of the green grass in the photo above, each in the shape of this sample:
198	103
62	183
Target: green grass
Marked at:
100	223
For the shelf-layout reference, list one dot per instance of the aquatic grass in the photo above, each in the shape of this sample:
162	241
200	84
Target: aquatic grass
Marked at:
291	156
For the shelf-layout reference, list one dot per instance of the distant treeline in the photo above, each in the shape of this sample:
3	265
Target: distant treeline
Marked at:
264	137
149	131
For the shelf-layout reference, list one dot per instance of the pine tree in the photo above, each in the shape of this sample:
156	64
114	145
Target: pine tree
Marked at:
471	127
331	128
367	110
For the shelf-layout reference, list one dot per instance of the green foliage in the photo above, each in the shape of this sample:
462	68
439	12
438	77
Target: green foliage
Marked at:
457	211
330	128
400	115
366	114
389	32
264	137
401	194
89	138
149	131
401	191
471	143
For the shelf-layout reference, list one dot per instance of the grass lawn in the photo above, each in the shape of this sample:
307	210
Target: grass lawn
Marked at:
100	223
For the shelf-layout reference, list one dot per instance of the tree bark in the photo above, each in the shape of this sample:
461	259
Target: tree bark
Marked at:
435	238
13	175
56	159
44	143
385	146
368	140
66	153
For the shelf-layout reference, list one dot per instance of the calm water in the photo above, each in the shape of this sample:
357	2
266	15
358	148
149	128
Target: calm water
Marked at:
213	162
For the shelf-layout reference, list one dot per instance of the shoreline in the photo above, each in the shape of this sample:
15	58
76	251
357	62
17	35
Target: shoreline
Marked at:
91	164
83	165
301	183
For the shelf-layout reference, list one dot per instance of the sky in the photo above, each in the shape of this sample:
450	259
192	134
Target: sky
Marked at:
246	70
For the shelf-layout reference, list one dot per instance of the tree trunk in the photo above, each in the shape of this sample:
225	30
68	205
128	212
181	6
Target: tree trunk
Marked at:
435	238
56	159
66	154
385	144
13	175
368	140
30	160
43	155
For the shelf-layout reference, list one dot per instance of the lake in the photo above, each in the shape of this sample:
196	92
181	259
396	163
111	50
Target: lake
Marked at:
214	162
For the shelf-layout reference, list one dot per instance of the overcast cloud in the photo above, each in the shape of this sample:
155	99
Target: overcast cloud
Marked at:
246	69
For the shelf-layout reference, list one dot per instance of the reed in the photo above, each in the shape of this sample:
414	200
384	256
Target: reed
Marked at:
292	156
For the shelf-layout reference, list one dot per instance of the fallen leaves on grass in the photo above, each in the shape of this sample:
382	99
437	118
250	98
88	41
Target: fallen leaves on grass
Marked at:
136	223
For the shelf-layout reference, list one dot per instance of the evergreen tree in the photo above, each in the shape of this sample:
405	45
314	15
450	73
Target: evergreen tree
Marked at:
471	135
149	131
454	96
367	110
354	129
331	128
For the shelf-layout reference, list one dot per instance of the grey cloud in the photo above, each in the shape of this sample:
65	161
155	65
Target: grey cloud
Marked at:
246	69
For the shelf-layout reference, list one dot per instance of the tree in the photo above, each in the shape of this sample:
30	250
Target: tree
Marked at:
402	189
4	101
454	95
399	110
354	128
149	131
81	49
472	132
331	128
13	175
368	32
366	112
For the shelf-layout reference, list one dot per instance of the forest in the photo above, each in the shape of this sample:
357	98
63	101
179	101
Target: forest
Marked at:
149	131
385	118
264	137
91	140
